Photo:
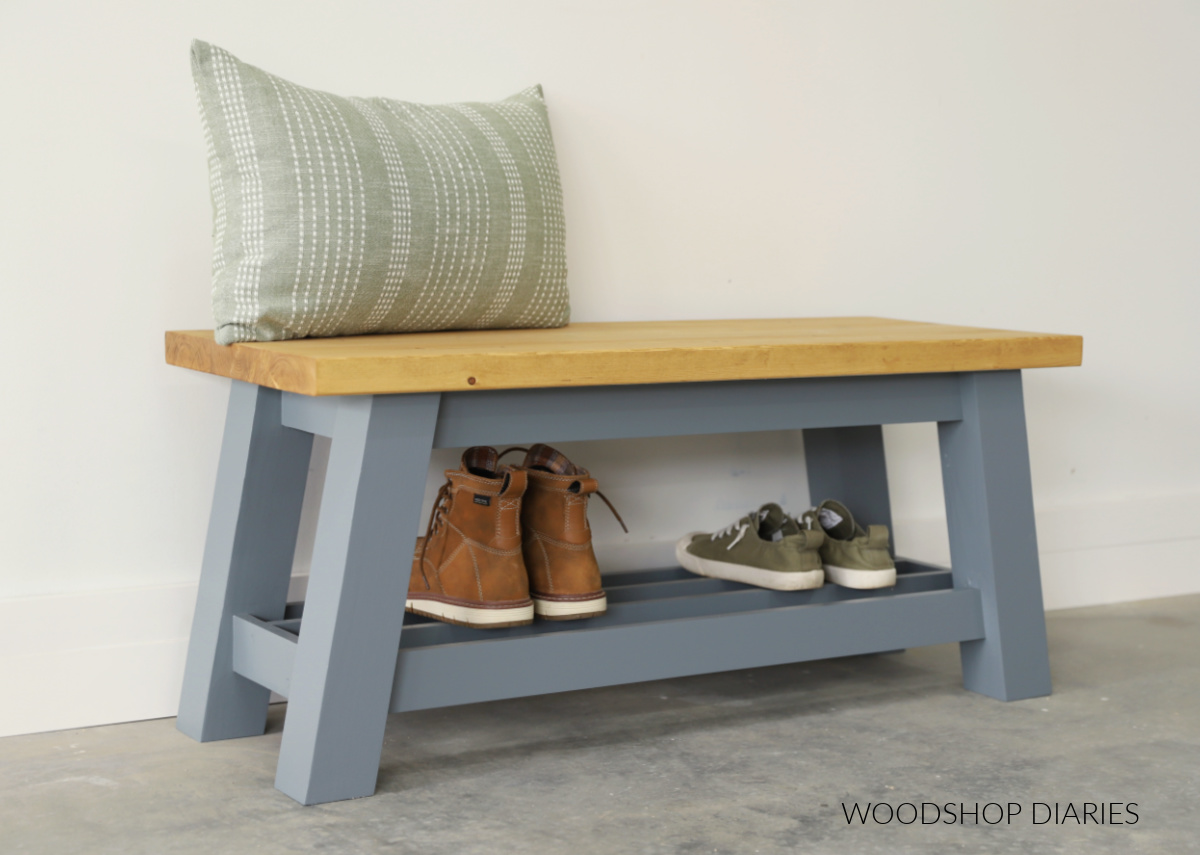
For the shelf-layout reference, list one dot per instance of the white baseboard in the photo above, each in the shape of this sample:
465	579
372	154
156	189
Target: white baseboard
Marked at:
1099	553
95	657
102	657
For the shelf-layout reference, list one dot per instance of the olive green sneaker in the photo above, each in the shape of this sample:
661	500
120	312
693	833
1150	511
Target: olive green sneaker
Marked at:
853	558
765	548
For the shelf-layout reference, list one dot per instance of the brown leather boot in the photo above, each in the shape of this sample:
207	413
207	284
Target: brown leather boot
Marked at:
564	578
468	568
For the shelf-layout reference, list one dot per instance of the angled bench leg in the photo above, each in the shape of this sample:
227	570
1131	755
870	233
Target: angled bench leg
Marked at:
346	655
847	464
993	544
247	560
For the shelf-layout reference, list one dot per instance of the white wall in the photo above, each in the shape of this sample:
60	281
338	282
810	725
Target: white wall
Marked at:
1028	165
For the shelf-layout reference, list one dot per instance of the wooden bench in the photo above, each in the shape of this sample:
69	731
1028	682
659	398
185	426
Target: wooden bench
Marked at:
386	401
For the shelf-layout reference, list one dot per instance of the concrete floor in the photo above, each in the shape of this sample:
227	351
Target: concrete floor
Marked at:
743	762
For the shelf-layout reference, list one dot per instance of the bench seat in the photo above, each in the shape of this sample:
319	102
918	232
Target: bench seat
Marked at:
621	353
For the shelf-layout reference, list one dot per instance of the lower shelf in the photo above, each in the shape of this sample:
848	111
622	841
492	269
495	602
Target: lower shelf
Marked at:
659	624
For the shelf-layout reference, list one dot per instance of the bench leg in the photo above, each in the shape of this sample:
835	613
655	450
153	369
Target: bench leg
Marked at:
847	464
346	655
993	544
247	560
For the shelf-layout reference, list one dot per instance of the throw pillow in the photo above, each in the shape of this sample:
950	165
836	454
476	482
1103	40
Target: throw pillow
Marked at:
340	216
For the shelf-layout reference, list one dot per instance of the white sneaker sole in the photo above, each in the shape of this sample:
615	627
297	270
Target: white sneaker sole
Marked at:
468	616
570	609
776	580
849	577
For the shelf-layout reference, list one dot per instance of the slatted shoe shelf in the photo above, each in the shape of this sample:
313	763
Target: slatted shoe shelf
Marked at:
442	665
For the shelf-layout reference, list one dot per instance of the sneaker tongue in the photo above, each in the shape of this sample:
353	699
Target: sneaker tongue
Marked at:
550	459
481	460
836	519
771	521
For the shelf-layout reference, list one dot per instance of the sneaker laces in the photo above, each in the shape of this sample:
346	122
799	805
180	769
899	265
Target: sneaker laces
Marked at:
598	493
741	526
811	519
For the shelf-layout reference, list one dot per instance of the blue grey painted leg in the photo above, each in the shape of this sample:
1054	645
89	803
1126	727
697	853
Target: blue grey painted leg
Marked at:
847	464
346	655
247	560
993	544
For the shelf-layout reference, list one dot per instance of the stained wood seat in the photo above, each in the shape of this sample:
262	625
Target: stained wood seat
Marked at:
622	353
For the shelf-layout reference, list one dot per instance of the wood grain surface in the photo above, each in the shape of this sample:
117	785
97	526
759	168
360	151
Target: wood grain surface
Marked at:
604	354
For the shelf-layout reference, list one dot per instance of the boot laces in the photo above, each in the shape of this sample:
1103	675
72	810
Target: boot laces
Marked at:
598	493
614	511
441	506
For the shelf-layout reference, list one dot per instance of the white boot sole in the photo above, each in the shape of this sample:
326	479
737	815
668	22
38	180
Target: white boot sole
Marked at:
467	616
570	609
849	577
776	580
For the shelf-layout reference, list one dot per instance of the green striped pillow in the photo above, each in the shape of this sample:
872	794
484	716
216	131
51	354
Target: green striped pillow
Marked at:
340	216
